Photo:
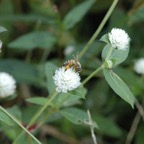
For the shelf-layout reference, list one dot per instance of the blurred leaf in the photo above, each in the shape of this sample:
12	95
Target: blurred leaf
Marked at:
70	98
6	119
26	18
33	40
108	127
10	131
118	19
77	13
133	81
15	111
76	116
136	13
28	112
119	87
25	139
43	7
21	71
49	71
117	56
37	100
139	135
2	29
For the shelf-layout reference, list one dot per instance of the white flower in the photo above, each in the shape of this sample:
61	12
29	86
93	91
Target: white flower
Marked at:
7	85
139	66
66	80
119	39
68	50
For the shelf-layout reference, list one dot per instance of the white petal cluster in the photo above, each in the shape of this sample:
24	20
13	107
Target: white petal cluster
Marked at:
139	66
66	80
119	39
7	85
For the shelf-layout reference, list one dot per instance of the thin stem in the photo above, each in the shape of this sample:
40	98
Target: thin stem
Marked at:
18	123
133	128
99	28
93	74
90	122
135	122
35	117
140	108
109	53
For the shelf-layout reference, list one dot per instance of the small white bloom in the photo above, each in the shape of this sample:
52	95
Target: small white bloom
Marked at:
68	50
7	85
119	39
66	80
139	66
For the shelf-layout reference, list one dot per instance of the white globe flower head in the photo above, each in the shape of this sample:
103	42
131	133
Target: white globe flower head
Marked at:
139	66
119	39
66	80
7	85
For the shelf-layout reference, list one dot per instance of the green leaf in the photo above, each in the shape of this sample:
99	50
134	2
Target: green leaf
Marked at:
26	18
33	40
49	71
6	119
2	29
37	100
76	116
70	98
139	135
119	86
77	13
15	111
136	14
117	56
21	71
104	38
105	124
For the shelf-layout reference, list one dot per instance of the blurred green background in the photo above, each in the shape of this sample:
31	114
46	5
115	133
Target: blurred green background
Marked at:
40	32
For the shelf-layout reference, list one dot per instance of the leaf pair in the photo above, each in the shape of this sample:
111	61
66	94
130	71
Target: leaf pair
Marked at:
116	83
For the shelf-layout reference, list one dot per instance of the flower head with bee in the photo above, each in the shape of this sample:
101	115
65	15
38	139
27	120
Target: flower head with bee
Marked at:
67	77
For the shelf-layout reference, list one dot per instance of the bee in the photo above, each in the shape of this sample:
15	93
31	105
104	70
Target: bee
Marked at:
74	64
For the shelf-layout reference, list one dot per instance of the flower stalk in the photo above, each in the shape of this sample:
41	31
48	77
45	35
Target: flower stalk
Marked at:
36	116
108	14
92	74
18	123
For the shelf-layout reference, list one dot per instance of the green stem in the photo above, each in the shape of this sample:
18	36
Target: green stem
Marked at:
35	117
18	123
109	53
99	28
93	74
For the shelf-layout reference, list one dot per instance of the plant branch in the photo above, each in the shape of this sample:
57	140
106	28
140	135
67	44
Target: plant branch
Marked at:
108	14
92	74
18	123
36	116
